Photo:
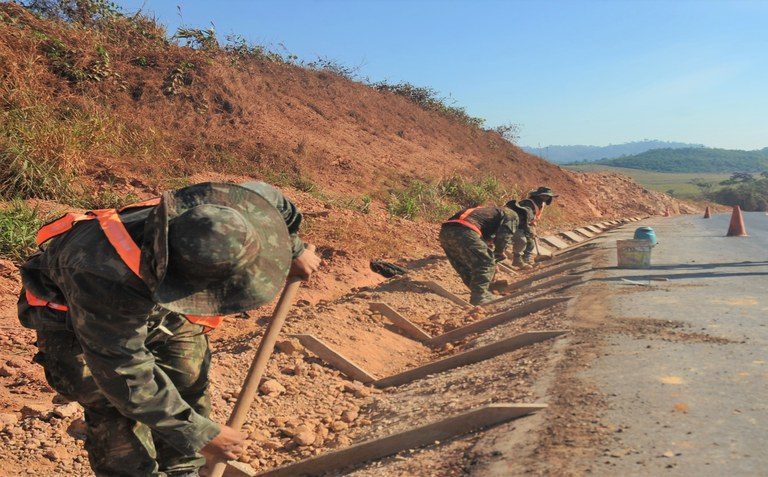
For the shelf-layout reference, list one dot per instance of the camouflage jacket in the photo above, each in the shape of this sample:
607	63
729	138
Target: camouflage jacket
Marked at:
497	224
111	313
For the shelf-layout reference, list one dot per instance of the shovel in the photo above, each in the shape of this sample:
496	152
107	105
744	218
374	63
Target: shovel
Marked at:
259	364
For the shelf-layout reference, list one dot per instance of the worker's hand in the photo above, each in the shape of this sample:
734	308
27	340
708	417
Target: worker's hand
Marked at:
227	445
305	264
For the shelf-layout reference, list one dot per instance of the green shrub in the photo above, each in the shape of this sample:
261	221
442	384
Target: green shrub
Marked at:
429	99
18	225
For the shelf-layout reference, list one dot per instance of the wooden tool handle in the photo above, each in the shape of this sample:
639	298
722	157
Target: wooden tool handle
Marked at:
259	364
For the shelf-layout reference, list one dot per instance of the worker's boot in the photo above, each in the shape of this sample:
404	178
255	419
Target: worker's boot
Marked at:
479	300
529	260
520	263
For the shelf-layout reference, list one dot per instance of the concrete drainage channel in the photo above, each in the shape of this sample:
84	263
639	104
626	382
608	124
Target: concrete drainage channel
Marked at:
539	292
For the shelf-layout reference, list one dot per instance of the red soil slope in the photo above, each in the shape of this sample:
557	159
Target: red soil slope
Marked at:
170	112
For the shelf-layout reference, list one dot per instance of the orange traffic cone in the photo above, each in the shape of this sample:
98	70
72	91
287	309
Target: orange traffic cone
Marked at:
707	214
737	229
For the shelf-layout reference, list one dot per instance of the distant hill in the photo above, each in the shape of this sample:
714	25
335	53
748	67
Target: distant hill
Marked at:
694	160
566	154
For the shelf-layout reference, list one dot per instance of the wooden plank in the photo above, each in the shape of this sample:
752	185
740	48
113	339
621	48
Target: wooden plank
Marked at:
468	357
554	241
335	359
544	251
584	232
550	286
439	290
592	228
402	323
506	268
374	449
495	320
572	236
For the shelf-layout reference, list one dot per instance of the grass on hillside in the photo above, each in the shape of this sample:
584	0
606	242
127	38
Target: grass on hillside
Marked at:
437	201
18	225
681	185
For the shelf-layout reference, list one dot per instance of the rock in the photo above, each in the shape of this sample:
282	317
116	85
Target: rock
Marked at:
6	371
305	438
8	419
349	415
291	346
77	428
41	411
271	387
67	410
54	455
339	426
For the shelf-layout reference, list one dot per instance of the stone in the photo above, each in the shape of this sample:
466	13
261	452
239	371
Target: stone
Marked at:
339	426
67	410
271	387
8	419
77	428
305	438
54	455
349	415
6	371
41	411
291	346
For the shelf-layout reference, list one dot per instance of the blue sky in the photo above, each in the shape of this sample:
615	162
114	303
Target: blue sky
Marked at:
570	72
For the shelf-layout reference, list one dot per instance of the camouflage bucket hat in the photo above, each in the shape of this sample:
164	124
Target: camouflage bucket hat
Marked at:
525	213
542	192
216	249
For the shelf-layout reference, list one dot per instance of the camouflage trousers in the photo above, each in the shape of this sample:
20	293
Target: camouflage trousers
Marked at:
523	246
472	259
116	445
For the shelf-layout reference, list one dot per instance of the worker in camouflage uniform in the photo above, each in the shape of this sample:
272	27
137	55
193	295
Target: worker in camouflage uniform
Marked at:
475	239
524	242
121	301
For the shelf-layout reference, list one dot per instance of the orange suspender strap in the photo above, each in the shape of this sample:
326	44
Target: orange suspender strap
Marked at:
59	226
466	223
537	211
209	322
144	203
121	240
67	221
35	301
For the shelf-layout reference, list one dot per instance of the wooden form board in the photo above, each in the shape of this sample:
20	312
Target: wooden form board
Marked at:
439	290
335	359
554	241
468	357
417	437
585	232
550	286
402	323
572	236
506	268
495	320
594	229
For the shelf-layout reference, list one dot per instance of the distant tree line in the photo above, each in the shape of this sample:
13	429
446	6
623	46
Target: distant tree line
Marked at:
746	190
694	160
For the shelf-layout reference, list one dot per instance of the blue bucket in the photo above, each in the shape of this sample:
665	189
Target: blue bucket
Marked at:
646	233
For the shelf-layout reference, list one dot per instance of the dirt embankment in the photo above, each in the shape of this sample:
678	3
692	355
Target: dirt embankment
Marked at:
155	113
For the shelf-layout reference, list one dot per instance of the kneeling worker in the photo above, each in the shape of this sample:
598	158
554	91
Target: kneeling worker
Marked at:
475	239
524	242
121	299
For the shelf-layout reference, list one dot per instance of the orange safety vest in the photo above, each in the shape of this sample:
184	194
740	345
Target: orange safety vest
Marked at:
118	236
466	223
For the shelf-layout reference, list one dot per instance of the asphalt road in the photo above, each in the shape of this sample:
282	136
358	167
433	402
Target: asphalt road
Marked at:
694	405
